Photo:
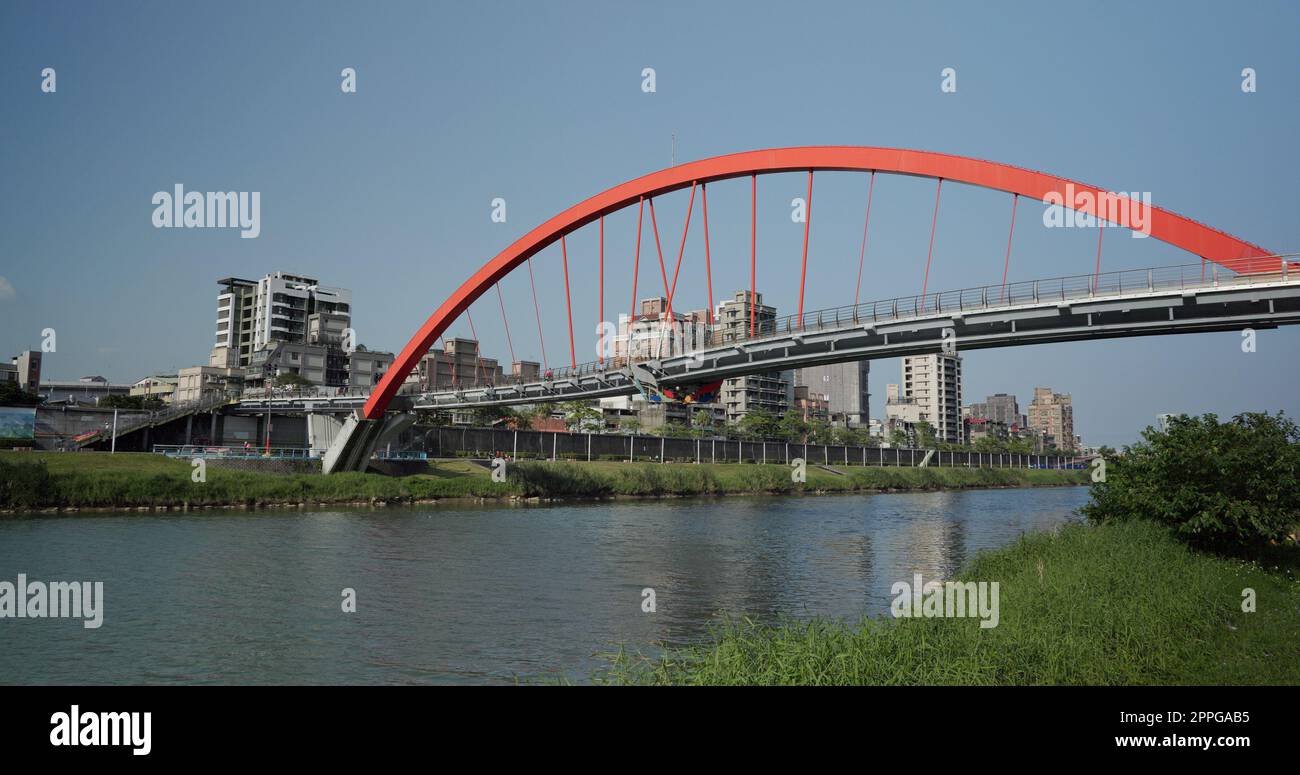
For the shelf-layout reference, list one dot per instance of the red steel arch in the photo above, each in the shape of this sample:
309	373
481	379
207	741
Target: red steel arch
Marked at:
1199	239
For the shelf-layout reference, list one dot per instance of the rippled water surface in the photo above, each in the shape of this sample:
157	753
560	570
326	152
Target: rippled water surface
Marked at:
473	594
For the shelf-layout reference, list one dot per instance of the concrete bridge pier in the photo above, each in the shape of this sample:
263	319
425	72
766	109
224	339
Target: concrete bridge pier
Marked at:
355	441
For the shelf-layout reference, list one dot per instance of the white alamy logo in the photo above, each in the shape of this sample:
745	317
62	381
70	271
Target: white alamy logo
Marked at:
55	600
946	599
1130	210
92	728
213	210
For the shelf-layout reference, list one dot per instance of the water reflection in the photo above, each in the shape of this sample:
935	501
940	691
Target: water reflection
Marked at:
482	594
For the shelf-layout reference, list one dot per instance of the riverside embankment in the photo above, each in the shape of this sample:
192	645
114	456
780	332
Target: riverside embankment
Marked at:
74	481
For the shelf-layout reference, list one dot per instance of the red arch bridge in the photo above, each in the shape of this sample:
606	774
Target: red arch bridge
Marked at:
1227	284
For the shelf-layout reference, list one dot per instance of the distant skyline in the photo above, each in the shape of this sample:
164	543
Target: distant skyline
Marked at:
388	191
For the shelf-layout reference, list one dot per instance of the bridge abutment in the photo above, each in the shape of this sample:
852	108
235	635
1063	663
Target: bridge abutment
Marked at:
355	441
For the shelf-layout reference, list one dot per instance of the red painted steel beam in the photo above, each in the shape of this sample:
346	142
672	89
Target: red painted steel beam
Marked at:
1196	238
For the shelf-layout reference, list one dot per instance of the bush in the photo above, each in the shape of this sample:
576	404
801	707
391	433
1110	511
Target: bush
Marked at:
24	485
1232	486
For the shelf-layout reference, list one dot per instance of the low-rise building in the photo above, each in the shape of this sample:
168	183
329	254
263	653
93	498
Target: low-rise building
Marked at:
87	390
200	383
811	406
160	386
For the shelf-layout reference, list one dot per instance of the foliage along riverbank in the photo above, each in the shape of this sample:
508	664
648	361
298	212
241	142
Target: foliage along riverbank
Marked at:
40	481
1111	604
1125	599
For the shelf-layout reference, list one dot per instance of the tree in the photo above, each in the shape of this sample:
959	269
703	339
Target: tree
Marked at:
849	437
491	415
581	417
820	432
792	428
758	424
924	435
121	402
673	430
630	424
12	394
702	425
1232	486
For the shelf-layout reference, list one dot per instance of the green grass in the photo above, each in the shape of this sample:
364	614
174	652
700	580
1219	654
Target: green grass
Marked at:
128	480
605	479
131	480
1113	604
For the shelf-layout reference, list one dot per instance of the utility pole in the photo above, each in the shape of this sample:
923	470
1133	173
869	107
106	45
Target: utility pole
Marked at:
674	149
113	445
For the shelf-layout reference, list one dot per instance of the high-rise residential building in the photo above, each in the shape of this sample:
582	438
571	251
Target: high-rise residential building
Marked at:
647	335
845	387
1000	408
459	365
1052	414
256	315
931	393
773	390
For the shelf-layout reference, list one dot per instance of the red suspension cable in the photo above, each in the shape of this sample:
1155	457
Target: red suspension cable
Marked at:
807	222
506	321
753	249
568	302
478	347
708	268
1096	275
862	254
636	256
663	271
926	282
600	352
690	207
1007	262
537	309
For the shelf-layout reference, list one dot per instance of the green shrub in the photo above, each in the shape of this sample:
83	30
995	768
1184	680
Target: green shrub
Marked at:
23	485
1231	486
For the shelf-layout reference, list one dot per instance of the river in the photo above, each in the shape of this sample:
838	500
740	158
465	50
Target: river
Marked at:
473	594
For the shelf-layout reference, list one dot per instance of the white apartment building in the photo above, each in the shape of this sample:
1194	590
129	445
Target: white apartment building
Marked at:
253	315
930	392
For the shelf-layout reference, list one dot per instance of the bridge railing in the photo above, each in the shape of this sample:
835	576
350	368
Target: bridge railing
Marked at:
980	298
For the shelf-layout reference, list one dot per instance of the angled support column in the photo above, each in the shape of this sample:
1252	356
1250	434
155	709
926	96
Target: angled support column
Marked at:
357	440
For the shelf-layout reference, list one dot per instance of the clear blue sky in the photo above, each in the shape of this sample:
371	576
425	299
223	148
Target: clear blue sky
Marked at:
387	191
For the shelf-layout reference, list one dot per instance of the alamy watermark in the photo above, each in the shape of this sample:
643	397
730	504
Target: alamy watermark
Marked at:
214	209
1130	210
54	600
946	599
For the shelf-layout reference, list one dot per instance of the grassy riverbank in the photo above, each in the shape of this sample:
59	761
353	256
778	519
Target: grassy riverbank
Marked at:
1111	604
32	481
